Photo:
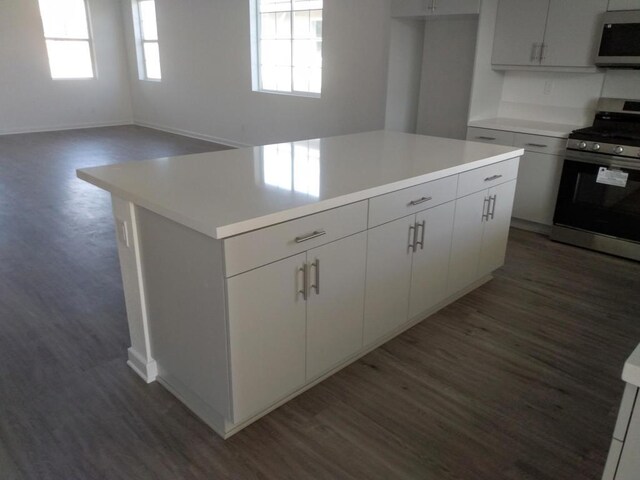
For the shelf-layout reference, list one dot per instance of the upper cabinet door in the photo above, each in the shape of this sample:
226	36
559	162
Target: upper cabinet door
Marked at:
520	27
572	35
453	7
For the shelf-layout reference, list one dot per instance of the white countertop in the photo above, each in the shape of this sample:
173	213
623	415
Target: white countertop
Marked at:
631	371
526	126
226	193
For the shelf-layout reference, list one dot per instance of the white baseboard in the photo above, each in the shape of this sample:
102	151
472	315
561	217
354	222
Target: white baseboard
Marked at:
70	126
530	226
147	370
187	133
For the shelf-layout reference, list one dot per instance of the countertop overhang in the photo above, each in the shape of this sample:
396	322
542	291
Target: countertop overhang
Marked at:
221	194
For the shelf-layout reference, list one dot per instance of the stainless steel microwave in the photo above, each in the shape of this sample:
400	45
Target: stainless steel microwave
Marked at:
620	40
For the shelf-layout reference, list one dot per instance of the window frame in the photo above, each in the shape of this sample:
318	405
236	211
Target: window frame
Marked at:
256	35
89	40
140	43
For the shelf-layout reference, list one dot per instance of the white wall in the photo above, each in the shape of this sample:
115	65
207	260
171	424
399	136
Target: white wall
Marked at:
403	81
447	72
30	100
206	74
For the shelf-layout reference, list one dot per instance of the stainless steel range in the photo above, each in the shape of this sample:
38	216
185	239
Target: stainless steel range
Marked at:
598	203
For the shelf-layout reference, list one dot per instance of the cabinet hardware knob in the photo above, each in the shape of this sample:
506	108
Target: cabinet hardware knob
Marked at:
492	178
314	234
419	201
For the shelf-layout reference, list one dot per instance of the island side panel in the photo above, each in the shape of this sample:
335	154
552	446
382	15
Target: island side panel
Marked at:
139	354
185	291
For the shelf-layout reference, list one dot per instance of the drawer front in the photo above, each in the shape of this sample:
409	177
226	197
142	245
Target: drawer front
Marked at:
486	177
538	143
487	135
254	249
386	208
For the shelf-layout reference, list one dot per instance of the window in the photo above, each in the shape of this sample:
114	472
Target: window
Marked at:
66	32
147	33
289	46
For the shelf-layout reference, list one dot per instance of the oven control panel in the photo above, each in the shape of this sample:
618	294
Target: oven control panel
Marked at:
603	148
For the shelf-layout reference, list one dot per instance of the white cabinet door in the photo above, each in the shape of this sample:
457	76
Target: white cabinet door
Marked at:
520	26
388	277
431	259
453	7
267	331
572	34
537	189
335	307
616	5
466	241
496	228
629	465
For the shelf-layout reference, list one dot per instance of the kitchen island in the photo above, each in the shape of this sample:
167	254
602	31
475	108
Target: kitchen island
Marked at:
250	275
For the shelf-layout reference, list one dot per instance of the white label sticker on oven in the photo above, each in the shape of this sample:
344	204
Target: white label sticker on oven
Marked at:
616	178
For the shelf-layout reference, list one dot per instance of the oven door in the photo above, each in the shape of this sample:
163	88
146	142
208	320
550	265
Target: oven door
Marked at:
600	195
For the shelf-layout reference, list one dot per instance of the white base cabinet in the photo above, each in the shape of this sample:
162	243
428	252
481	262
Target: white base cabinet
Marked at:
623	462
239	326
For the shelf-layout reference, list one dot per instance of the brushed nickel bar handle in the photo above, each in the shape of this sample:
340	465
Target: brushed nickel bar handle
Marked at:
422	224
492	178
314	234
412	238
534	53
305	281
419	201
316	265
483	137
539	145
485	206
493	208
543	51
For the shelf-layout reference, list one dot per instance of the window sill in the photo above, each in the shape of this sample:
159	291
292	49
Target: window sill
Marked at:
290	94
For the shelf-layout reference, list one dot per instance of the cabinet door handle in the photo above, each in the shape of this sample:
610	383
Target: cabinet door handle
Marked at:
305	281
492	178
314	234
534	53
316	266
539	145
485	209
493	206
419	201
420	225
482	137
412	238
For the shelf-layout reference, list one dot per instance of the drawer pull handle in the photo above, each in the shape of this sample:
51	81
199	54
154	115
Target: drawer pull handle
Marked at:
419	201
314	234
482	137
492	178
539	145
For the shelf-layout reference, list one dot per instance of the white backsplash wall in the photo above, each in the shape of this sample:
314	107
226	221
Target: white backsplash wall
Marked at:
622	84
551	96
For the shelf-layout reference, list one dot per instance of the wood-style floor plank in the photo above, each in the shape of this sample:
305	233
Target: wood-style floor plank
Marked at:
518	380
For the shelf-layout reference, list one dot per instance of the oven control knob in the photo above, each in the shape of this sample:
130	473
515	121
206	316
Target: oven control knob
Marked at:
582	145
618	150
595	147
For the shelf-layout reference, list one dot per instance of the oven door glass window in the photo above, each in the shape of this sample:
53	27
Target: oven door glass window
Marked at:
586	204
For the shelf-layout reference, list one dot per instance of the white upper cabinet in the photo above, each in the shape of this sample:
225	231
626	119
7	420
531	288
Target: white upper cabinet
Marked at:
547	33
616	5
430	8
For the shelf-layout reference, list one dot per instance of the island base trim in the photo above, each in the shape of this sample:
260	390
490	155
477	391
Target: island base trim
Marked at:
147	370
224	428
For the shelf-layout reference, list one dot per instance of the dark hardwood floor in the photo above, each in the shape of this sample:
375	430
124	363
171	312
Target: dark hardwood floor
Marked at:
518	380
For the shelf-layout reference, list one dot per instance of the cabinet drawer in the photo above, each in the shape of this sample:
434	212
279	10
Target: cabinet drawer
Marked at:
538	143
487	135
253	249
386	208
486	177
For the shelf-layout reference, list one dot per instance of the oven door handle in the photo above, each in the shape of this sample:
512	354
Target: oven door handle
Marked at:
603	160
